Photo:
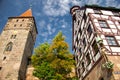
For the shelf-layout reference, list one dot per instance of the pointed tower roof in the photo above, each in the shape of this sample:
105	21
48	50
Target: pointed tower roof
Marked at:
27	13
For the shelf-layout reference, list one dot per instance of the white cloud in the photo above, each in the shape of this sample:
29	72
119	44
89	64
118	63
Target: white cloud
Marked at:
50	29
112	3
62	7
45	34
57	7
63	23
41	23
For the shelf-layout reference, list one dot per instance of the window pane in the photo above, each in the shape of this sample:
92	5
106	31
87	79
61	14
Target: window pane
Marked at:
88	59
97	11
95	47
103	24
111	40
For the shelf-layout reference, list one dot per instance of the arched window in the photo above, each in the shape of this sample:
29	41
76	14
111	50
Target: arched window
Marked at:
101	78
9	46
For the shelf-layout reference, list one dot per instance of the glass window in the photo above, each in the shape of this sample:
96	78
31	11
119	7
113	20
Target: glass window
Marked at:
88	58
89	30
9	46
83	67
84	42
111	40
97	11
103	24
116	13
95	47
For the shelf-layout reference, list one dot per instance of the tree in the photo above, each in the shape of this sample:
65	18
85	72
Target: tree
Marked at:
53	61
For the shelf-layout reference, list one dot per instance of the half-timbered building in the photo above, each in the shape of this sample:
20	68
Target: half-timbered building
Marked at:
96	42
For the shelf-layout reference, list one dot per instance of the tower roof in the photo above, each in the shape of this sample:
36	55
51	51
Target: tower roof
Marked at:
27	13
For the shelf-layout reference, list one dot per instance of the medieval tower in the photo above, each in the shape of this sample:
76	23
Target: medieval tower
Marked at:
16	45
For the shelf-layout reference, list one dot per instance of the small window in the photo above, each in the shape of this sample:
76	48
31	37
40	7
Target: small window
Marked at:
101	78
103	24
22	19
4	58
84	42
9	46
20	25
84	17
116	13
88	58
17	20
111	40
95	47
13	36
97	11
89	30
15	25
83	66
80	31
0	68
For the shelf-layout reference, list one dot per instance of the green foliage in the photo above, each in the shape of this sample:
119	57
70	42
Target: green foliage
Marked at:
53	61
44	71
108	65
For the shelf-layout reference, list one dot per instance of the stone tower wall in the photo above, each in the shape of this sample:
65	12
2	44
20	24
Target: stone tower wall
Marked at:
13	63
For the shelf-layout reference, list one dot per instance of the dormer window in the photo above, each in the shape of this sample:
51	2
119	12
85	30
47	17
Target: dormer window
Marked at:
116	13
96	11
111	41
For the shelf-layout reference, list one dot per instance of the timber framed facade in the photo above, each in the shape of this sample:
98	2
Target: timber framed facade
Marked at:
96	40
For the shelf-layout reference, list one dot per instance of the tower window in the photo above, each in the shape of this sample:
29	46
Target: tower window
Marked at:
116	13
4	58
0	68
23	20
111	40
9	46
17	20
13	36
15	25
20	25
103	24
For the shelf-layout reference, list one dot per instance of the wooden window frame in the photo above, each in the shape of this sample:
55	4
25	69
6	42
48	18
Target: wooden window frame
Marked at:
104	22
97	11
116	13
114	39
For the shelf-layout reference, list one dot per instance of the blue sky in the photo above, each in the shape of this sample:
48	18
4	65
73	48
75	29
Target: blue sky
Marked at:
51	16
